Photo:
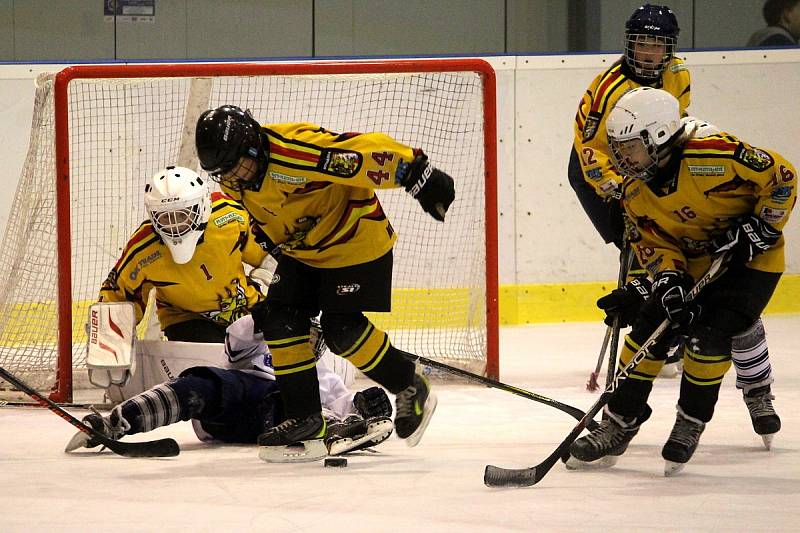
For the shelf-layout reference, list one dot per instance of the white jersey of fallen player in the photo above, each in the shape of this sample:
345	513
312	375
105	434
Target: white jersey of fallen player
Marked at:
245	350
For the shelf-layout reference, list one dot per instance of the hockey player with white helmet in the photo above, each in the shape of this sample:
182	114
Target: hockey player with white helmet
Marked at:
691	198
192	250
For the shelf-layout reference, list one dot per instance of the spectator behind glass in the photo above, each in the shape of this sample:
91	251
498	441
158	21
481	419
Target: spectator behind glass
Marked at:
783	24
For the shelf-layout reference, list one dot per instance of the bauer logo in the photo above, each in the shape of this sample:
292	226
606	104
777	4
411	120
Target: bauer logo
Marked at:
350	288
227	132
94	327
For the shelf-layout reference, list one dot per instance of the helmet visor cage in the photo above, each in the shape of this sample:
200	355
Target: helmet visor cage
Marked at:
175	224
635	157
647	55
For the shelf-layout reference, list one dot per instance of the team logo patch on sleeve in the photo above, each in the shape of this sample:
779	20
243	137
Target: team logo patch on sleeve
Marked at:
590	127
754	158
781	195
345	164
772	215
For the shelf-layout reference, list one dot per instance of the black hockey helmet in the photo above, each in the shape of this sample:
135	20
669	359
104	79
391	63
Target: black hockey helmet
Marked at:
652	24
222	136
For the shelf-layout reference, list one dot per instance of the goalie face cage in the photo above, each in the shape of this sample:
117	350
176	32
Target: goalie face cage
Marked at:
114	126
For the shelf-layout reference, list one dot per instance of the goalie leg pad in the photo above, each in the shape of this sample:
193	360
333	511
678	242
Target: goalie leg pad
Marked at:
354	337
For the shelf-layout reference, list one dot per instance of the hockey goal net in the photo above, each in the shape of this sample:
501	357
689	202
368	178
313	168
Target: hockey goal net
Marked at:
99	131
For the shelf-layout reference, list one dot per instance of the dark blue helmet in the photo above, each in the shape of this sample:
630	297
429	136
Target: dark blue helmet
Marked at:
650	26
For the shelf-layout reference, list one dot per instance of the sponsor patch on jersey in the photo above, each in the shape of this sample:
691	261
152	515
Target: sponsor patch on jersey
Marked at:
590	127
286	178
349	288
772	215
345	164
632	192
707	170
754	158
227	219
609	188
110	283
594	174
677	67
781	195
143	263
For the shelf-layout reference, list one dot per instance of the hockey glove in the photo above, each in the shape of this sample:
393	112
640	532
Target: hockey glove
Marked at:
625	302
372	402
670	288
749	237
433	189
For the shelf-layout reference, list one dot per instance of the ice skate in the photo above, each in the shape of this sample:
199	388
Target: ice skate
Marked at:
602	447
355	433
682	442
766	421
101	424
415	406
294	440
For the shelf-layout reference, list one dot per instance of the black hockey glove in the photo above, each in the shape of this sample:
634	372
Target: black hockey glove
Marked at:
670	288
625	302
433	189
372	402
746	239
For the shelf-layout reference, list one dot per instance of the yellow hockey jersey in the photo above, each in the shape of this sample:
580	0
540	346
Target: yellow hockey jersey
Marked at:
212	285
719	179
591	140
317	201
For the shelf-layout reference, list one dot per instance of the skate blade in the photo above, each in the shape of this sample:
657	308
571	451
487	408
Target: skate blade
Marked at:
600	464
427	412
671	468
768	440
303	452
377	432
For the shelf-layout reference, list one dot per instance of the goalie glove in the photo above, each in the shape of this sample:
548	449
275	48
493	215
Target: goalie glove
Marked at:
749	237
432	188
372	402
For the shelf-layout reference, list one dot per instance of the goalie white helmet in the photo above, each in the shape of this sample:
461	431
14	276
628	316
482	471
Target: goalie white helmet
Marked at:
642	129
178	202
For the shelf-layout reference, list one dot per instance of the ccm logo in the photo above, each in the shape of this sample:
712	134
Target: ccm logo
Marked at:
94	326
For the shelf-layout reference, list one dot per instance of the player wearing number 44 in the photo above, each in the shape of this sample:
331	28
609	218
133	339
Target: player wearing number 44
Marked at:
691	198
191	250
312	192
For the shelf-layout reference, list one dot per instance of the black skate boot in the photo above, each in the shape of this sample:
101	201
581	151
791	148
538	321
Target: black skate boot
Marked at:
294	440
682	442
602	447
356	433
766	421
415	406
101	424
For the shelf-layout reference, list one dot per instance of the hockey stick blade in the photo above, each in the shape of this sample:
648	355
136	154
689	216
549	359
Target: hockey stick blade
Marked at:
154	448
574	412
495	476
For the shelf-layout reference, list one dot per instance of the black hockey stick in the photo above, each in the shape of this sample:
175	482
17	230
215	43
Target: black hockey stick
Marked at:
574	412
154	448
625	260
495	476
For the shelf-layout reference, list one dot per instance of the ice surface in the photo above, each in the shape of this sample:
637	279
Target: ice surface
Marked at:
731	484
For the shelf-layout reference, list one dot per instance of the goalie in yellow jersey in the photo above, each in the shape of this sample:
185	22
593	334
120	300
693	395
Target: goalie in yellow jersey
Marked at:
691	198
312	192
191	250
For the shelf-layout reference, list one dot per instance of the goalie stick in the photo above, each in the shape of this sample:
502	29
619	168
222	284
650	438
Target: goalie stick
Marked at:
154	448
495	476
574	412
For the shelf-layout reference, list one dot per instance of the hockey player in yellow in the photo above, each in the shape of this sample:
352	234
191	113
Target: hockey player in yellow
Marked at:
691	198
650	37
312	192
191	250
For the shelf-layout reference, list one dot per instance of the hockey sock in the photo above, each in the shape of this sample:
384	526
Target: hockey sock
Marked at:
707	358
751	358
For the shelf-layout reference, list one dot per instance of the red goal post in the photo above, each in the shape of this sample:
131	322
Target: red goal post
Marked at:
114	125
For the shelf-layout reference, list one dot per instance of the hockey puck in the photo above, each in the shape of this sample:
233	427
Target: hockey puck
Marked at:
339	462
